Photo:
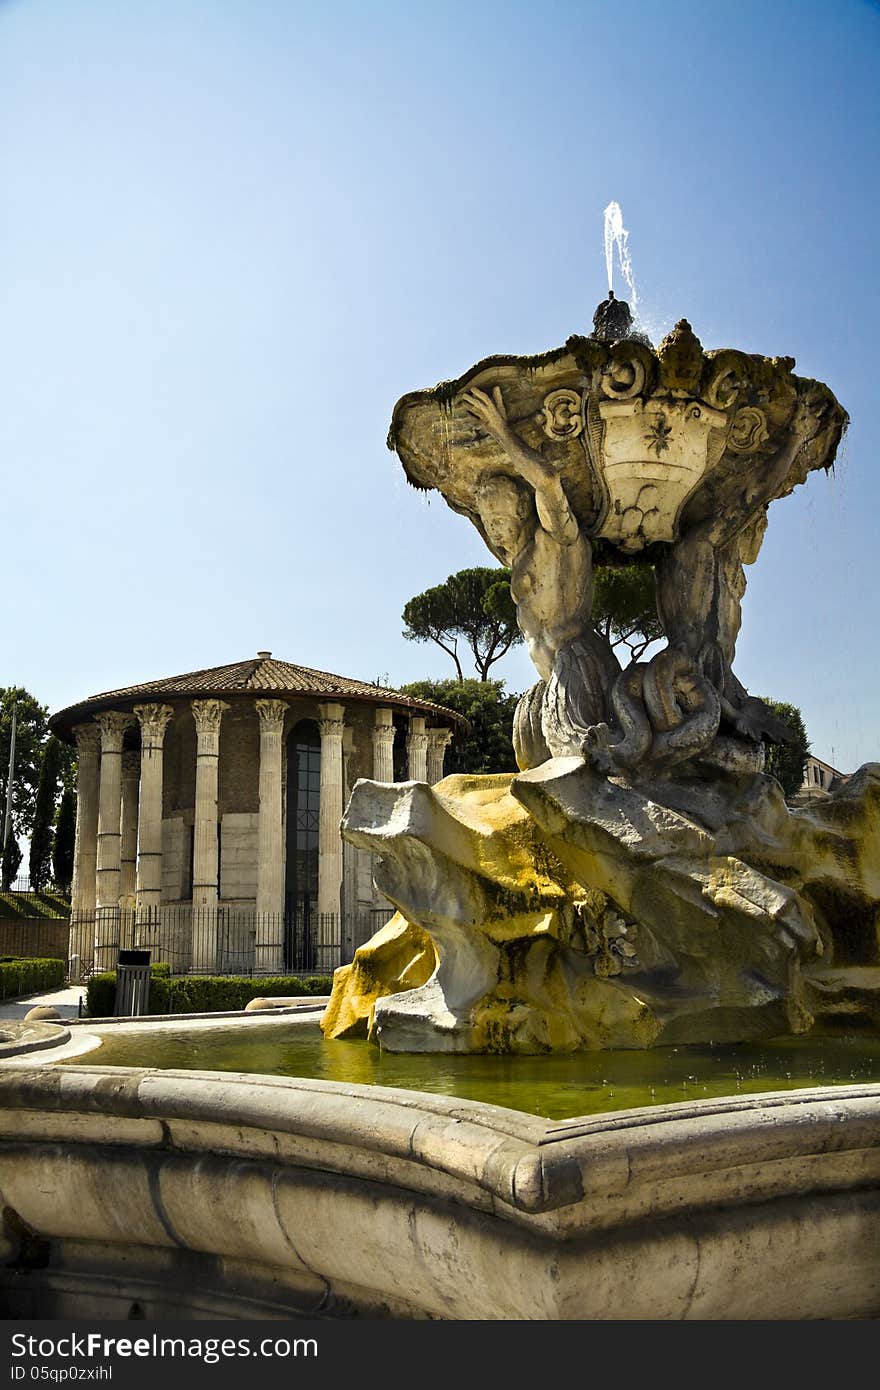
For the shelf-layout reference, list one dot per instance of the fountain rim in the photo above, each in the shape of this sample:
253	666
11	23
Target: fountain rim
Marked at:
533	1167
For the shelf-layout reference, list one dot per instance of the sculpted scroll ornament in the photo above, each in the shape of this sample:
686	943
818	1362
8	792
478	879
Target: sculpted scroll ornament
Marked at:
562	414
748	431
624	380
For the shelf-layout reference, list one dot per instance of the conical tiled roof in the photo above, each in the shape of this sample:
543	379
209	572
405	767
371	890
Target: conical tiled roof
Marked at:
262	674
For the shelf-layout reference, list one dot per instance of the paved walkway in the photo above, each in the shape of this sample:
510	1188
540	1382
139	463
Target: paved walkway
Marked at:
66	1001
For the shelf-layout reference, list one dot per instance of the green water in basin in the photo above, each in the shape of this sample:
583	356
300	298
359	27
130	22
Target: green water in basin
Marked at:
555	1086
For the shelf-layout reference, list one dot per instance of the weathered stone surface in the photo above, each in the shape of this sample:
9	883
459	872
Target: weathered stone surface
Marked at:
192	1195
31	1034
565	910
399	957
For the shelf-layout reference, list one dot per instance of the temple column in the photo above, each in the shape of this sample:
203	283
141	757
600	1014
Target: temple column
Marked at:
383	770
131	771
85	854
131	767
269	944
329	837
417	750
154	720
112	724
383	746
205	888
438	741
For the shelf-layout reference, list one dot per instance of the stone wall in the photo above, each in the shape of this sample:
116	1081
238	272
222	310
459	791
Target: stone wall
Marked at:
238	857
176	858
34	937
238	789
179	764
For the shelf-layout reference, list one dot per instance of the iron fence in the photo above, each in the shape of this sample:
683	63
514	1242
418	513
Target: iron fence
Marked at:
222	940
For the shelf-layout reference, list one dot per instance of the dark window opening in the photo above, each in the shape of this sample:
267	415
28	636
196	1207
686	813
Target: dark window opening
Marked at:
303	814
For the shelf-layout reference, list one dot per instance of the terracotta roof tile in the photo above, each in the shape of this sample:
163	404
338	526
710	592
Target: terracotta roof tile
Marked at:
260	674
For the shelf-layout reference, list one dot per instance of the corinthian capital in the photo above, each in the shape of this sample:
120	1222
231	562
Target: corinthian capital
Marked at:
332	728
88	738
439	739
112	724
417	742
271	714
154	720
207	714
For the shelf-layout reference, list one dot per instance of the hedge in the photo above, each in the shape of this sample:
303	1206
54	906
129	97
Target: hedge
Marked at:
201	994
22	976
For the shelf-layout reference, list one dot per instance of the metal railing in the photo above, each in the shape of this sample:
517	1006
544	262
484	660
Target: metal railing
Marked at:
221	941
22	887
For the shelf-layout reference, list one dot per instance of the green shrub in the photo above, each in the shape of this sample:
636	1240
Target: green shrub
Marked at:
24	976
202	994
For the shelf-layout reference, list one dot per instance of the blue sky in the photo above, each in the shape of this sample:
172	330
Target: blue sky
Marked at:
234	232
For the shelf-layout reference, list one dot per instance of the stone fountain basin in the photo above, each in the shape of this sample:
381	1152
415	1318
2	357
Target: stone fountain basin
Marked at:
209	1194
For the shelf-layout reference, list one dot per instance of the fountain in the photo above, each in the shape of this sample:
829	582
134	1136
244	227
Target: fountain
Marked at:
639	881
637	886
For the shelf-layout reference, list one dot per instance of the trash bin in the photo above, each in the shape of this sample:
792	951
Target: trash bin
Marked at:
132	984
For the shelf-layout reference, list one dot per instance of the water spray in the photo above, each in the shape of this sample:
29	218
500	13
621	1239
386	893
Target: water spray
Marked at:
617	236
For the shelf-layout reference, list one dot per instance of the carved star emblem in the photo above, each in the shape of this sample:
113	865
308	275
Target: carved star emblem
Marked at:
658	438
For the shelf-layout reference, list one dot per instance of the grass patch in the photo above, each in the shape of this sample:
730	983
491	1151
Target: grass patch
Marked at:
47	903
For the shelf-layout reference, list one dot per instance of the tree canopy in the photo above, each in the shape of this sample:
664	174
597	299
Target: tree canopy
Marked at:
64	840
473	606
10	860
787	762
488	747
40	862
45	769
30	736
625	607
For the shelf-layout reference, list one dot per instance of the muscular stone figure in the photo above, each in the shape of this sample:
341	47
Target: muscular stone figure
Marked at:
700	581
531	527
